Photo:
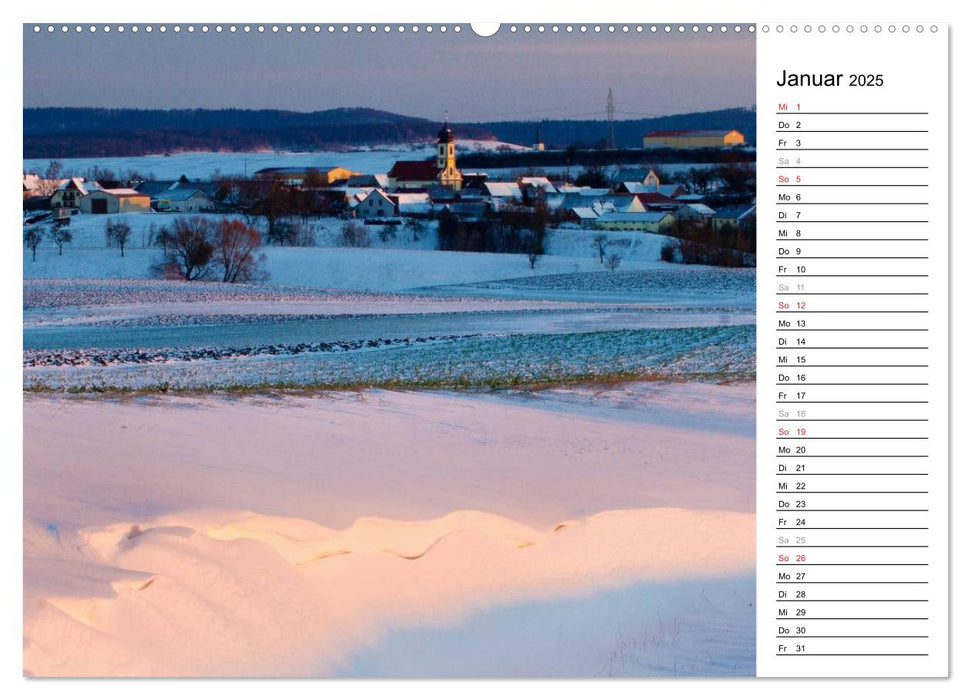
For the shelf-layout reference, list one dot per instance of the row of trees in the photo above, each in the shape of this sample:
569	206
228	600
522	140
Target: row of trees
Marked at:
56	171
193	248
35	235
117	234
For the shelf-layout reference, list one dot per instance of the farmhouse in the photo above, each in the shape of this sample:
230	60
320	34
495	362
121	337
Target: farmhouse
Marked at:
694	139
499	193
649	221
68	195
376	205
183	199
115	202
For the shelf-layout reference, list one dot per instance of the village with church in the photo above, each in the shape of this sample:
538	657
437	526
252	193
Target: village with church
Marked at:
646	197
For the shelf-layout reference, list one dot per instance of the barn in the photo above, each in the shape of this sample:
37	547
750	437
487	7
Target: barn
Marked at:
694	139
117	201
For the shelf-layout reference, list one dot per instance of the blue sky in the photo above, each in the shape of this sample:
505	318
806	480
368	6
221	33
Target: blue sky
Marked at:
506	76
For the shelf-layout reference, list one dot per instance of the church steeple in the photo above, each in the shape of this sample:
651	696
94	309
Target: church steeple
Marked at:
446	135
445	158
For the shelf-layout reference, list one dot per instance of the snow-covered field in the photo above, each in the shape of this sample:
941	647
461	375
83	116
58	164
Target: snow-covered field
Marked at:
564	518
402	315
202	165
150	335
396	264
377	533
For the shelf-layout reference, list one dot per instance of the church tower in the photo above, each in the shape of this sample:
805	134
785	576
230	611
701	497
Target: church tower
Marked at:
448	174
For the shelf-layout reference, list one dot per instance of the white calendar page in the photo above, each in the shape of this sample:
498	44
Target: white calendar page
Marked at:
770	499
853	361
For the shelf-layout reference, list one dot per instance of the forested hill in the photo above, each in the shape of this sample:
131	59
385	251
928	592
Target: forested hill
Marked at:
63	132
627	133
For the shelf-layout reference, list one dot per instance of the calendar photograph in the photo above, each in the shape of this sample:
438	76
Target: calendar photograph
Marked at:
389	351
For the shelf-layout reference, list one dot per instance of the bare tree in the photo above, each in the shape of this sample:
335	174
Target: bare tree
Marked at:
416	226
55	170
117	233
189	247
388	232
51	179
599	244
274	205
613	261
533	257
354	235
32	238
701	179
60	235
235	251
98	174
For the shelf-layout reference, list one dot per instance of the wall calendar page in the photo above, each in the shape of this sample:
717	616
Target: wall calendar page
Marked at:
473	351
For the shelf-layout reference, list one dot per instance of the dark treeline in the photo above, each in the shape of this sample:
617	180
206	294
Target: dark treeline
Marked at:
63	132
139	142
574	156
628	133
80	132
510	229
47	120
695	243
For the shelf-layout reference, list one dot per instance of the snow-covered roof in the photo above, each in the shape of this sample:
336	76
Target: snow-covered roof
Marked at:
702	209
541	182
123	192
79	184
639	187
368	180
600	202
735	211
584	213
502	189
181	194
592	192
413	197
354	191
413	202
379	194
633	216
